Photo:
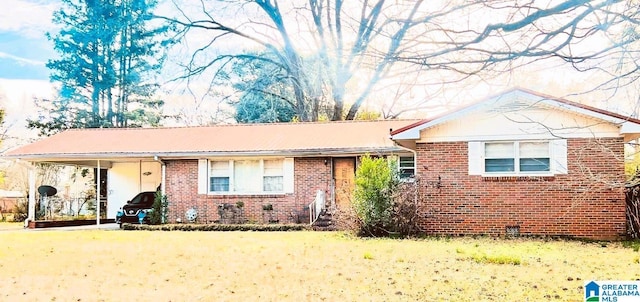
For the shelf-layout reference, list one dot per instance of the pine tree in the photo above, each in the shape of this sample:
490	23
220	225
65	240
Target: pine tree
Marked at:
109	54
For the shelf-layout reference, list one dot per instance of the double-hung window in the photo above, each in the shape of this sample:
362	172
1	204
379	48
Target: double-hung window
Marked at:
534	157
249	176
219	176
272	175
517	157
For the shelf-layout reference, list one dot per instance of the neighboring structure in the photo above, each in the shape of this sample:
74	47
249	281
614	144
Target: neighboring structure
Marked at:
522	163
276	166
9	200
517	163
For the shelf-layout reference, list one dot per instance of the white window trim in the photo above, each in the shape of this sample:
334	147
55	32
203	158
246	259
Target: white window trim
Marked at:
557	159
516	160
204	184
411	178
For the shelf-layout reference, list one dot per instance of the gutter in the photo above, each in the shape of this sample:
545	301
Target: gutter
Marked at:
199	154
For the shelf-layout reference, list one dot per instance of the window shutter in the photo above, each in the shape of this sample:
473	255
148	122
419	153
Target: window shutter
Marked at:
288	179
203	176
475	158
559	156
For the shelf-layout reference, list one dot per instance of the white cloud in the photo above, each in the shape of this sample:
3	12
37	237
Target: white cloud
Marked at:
17	99
20	59
30	18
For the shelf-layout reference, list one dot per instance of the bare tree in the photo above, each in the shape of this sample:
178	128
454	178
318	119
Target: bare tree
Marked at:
361	45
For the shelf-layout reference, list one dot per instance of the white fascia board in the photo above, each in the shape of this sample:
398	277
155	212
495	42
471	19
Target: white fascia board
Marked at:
413	133
629	128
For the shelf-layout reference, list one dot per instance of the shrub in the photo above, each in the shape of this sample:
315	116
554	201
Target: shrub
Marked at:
217	227
21	211
376	182
373	195
231	213
158	215
404	220
382	204
632	244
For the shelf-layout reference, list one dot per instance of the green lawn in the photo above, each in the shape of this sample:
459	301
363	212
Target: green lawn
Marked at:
298	266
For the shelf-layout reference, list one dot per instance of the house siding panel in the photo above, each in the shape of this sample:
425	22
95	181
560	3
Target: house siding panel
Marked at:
310	175
588	202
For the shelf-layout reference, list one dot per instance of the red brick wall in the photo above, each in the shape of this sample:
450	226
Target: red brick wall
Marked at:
310	175
588	202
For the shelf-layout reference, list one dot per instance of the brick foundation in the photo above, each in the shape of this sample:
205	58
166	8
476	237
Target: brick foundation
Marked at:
310	175
587	203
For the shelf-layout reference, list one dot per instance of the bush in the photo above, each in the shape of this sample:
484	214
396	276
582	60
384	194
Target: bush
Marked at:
231	213
376	182
217	227
382	204
158	213
21	211
404	220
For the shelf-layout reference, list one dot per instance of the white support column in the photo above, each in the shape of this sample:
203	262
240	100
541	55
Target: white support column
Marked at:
98	194
163	185
31	213
163	180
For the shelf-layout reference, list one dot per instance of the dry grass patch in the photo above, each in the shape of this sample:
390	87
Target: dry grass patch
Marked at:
11	225
296	266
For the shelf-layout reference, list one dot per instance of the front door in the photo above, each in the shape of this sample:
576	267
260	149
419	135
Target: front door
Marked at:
344	174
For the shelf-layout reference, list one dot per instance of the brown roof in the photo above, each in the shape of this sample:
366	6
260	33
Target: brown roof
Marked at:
535	93
221	140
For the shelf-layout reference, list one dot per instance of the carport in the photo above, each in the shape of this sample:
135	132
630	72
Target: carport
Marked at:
129	168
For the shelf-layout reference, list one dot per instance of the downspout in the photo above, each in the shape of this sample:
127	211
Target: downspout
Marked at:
415	162
415	154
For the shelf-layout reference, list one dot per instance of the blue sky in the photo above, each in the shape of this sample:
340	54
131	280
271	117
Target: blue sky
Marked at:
24	48
24	51
22	57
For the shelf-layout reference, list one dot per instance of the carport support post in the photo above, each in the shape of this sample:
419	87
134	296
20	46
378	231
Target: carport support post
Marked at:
163	187
98	194
31	212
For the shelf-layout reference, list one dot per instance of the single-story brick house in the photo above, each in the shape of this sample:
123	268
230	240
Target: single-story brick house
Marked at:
282	165
519	162
522	162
